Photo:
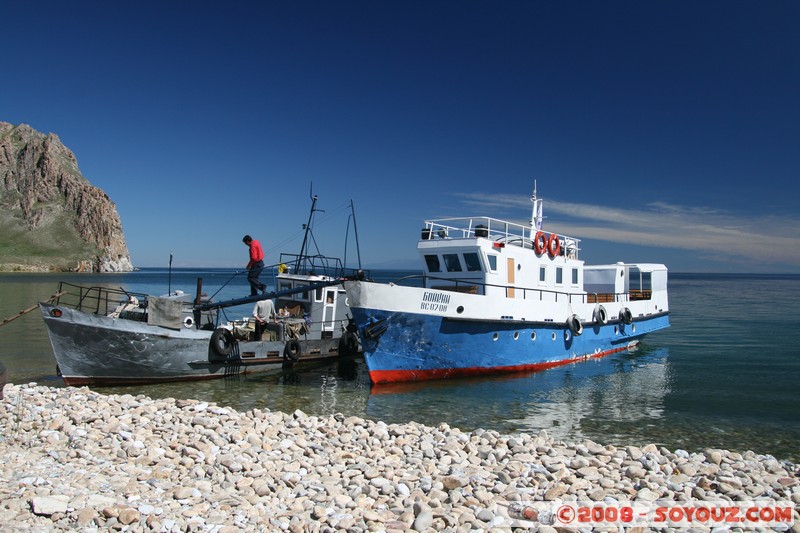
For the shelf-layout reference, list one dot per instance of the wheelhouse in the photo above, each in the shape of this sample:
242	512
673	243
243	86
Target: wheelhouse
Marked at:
484	255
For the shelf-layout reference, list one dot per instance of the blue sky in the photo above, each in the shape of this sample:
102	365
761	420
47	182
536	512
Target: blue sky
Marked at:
657	131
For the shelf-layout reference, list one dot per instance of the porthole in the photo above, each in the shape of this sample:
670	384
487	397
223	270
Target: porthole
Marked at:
495	337
634	328
616	330
533	336
516	335
554	335
460	309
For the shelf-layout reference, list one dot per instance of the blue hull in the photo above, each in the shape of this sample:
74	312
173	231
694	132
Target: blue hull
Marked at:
411	347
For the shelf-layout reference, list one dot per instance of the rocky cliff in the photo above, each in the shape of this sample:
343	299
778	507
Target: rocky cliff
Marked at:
51	217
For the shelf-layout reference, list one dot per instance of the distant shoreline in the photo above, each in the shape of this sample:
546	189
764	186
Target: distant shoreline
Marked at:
18	268
13	268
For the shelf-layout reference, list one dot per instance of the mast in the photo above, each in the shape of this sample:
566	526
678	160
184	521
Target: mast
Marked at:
355	230
536	214
307	227
169	278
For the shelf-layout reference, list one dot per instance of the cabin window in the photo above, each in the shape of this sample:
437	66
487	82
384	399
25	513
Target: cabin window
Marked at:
492	262
473	262
542	274
318	294
574	276
284	285
639	280
303	295
452	263
559	275
640	284
432	261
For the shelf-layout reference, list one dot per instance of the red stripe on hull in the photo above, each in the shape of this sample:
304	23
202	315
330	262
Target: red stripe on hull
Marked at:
398	376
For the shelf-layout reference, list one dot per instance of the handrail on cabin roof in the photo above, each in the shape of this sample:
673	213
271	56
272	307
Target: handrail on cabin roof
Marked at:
495	229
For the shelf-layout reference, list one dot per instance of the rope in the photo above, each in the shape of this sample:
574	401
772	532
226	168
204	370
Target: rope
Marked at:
239	273
28	310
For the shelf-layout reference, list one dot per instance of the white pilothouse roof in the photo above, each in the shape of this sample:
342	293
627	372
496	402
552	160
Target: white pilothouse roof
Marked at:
500	231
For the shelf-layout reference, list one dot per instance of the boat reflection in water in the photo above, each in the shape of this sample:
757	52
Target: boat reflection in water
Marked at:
321	389
618	399
617	394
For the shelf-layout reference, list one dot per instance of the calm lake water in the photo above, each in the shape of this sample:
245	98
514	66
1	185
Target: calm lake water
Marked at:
725	375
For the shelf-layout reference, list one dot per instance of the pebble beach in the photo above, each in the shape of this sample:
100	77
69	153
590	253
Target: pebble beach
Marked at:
75	459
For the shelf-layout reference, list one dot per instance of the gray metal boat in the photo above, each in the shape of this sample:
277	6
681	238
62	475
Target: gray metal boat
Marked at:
105	336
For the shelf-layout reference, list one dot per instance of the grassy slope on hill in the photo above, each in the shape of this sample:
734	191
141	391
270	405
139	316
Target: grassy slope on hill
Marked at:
55	243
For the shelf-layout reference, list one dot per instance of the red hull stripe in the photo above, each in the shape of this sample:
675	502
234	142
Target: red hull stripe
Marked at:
397	376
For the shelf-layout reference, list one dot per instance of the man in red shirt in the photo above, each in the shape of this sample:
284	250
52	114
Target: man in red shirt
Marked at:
255	266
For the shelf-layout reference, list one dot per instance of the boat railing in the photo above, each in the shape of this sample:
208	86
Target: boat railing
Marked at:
319	265
96	299
471	286
572	297
509	233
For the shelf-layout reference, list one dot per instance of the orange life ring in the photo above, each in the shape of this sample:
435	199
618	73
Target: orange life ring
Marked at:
553	245
539	242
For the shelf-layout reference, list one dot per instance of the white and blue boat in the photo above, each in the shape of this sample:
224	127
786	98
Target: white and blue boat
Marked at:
497	296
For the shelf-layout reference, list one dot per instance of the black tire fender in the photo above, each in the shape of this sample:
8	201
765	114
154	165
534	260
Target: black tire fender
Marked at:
574	325
600	315
348	344
222	342
292	350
